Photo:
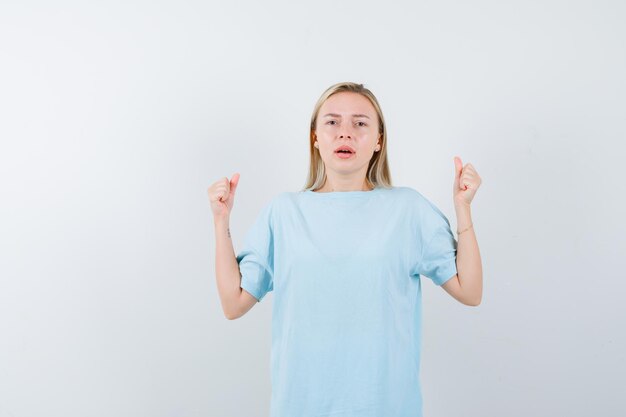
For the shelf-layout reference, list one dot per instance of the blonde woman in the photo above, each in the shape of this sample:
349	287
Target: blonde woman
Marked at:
345	257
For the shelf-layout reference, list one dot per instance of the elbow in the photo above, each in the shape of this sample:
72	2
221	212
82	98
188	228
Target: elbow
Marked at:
473	302
231	315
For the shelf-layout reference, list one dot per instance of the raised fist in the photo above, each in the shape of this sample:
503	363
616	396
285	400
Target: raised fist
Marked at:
222	195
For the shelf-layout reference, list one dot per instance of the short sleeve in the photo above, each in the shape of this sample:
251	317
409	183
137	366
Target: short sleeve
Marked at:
437	260
256	258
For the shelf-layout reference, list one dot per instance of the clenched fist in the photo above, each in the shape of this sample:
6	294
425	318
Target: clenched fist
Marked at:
466	182
222	195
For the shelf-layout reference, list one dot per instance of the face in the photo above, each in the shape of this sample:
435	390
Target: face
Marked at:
349	119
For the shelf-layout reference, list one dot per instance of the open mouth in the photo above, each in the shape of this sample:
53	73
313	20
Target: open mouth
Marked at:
344	154
345	149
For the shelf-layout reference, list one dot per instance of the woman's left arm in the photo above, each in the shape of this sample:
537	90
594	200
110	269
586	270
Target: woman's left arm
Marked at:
468	263
469	283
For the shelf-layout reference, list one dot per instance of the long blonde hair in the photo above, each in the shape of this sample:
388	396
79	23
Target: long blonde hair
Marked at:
378	170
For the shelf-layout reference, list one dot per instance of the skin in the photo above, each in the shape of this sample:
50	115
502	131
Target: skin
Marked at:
467	285
344	128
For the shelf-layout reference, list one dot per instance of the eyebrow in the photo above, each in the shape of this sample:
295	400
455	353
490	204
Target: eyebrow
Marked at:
338	115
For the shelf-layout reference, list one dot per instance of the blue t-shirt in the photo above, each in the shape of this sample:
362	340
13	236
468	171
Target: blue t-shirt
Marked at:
346	268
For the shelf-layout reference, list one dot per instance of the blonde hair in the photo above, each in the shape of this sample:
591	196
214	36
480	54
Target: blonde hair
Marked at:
378	170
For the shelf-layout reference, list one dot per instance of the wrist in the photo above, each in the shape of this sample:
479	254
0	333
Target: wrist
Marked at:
463	217
220	220
461	205
458	232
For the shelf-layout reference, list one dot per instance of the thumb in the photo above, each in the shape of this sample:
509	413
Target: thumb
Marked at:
233	183
458	168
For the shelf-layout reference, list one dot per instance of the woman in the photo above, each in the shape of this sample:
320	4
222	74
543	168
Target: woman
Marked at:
344	257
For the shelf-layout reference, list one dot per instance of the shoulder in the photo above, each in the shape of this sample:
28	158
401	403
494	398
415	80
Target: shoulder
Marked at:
268	209
275	199
423	205
273	205
406	192
281	199
411	195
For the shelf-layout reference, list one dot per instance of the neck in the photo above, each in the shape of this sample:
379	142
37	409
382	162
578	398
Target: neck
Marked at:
328	187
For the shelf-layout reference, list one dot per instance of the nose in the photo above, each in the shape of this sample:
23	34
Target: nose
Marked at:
345	132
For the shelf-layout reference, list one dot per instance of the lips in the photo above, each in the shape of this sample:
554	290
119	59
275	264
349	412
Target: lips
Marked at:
345	149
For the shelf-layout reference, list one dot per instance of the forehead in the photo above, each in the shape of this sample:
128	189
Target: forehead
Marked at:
347	103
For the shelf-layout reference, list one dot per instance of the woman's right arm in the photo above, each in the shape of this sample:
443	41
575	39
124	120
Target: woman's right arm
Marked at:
235	301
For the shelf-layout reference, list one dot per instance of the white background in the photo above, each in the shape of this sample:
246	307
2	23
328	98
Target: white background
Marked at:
115	117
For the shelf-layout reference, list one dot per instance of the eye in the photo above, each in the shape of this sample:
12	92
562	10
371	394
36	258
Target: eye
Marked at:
330	121
364	124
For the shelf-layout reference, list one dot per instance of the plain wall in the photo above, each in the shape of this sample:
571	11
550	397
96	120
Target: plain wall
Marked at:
115	117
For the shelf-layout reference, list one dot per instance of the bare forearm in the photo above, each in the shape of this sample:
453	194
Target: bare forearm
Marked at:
226	267
469	265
